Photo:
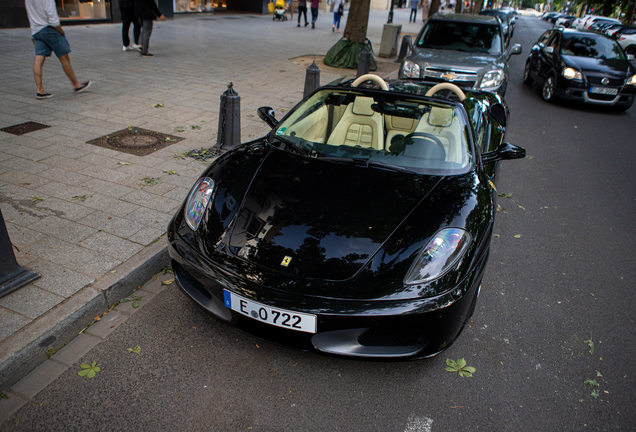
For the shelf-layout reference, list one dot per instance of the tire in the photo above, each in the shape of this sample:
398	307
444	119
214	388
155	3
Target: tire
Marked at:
526	74
548	88
631	50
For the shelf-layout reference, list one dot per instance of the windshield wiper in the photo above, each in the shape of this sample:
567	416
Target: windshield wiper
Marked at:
367	163
291	145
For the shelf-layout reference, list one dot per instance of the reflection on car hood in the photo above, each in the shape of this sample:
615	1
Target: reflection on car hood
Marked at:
612	68
322	220
458	60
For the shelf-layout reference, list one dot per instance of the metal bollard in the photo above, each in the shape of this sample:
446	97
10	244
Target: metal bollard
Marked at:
364	62
312	79
404	48
229	132
12	275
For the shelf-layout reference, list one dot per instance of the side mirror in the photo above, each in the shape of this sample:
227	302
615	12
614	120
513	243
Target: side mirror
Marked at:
498	113
505	151
516	49
548	50
267	115
408	39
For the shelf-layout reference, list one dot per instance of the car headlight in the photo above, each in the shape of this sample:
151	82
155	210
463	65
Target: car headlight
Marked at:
198	201
438	256
411	70
492	79
631	80
572	74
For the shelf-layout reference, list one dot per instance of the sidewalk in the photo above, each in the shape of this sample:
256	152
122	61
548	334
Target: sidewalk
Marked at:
92	220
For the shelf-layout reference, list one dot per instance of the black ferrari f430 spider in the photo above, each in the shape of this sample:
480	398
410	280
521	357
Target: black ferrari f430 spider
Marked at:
359	226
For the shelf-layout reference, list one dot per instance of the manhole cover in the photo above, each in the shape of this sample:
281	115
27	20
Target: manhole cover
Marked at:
137	141
23	128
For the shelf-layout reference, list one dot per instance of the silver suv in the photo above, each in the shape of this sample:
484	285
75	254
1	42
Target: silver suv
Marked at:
467	50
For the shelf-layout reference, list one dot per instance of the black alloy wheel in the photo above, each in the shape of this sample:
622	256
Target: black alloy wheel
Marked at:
630	50
548	88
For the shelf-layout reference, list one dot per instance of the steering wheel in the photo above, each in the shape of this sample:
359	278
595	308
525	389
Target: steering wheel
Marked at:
400	146
370	77
429	136
446	86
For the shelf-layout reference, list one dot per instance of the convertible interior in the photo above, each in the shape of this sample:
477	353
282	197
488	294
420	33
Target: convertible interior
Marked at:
411	133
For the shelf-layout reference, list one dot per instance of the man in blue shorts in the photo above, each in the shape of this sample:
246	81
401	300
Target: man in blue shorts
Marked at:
48	36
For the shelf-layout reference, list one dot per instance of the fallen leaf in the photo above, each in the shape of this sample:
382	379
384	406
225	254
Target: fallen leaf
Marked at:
136	350
518	236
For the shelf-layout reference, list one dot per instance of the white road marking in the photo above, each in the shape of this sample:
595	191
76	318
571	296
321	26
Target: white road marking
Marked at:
418	424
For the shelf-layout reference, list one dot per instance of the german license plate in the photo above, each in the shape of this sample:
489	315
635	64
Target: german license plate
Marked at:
604	90
277	317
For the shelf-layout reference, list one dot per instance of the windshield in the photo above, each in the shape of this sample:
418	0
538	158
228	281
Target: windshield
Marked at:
393	132
503	16
593	46
461	36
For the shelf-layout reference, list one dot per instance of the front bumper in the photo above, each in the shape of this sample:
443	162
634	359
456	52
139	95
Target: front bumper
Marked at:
581	93
377	329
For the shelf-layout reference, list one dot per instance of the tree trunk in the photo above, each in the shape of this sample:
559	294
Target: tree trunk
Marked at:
458	6
357	21
434	8
629	15
346	52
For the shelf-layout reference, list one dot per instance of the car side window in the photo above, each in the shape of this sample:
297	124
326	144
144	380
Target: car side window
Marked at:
543	40
554	42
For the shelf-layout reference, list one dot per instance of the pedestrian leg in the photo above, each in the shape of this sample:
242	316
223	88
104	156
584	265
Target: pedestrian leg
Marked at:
145	36
125	28
37	72
68	70
136	30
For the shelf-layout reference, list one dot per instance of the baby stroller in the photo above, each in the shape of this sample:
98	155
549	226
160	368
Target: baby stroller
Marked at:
280	13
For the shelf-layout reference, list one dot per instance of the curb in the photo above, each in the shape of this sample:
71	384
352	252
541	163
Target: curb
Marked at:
25	350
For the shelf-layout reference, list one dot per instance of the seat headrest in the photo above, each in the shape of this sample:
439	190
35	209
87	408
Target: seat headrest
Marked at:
362	106
440	117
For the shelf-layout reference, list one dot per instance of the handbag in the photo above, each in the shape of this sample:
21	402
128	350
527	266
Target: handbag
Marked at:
341	9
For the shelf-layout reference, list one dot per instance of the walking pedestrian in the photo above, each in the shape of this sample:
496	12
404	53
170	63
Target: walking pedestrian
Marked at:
314	13
413	15
48	36
127	9
302	9
290	9
147	11
338	12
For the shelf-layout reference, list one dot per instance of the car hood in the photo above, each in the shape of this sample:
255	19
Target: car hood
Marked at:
458	60
315	219
612	68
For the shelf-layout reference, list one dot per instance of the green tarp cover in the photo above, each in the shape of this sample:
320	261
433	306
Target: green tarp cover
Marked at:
345	54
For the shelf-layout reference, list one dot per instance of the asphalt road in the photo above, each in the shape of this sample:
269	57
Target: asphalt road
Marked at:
560	275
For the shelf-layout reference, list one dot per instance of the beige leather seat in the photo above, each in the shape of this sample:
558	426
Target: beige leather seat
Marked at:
359	126
441	123
397	128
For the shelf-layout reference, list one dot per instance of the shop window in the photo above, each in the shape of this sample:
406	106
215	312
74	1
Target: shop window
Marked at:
83	9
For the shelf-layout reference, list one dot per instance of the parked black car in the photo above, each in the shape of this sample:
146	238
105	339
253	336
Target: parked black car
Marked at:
581	66
359	226
467	50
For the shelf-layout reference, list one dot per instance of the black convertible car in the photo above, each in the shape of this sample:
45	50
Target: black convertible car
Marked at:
359	226
583	67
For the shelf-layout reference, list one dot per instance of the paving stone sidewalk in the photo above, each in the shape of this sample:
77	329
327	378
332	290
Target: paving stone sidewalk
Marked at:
92	220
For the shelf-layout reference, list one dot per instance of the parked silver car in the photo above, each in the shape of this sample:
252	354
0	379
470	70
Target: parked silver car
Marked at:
467	50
